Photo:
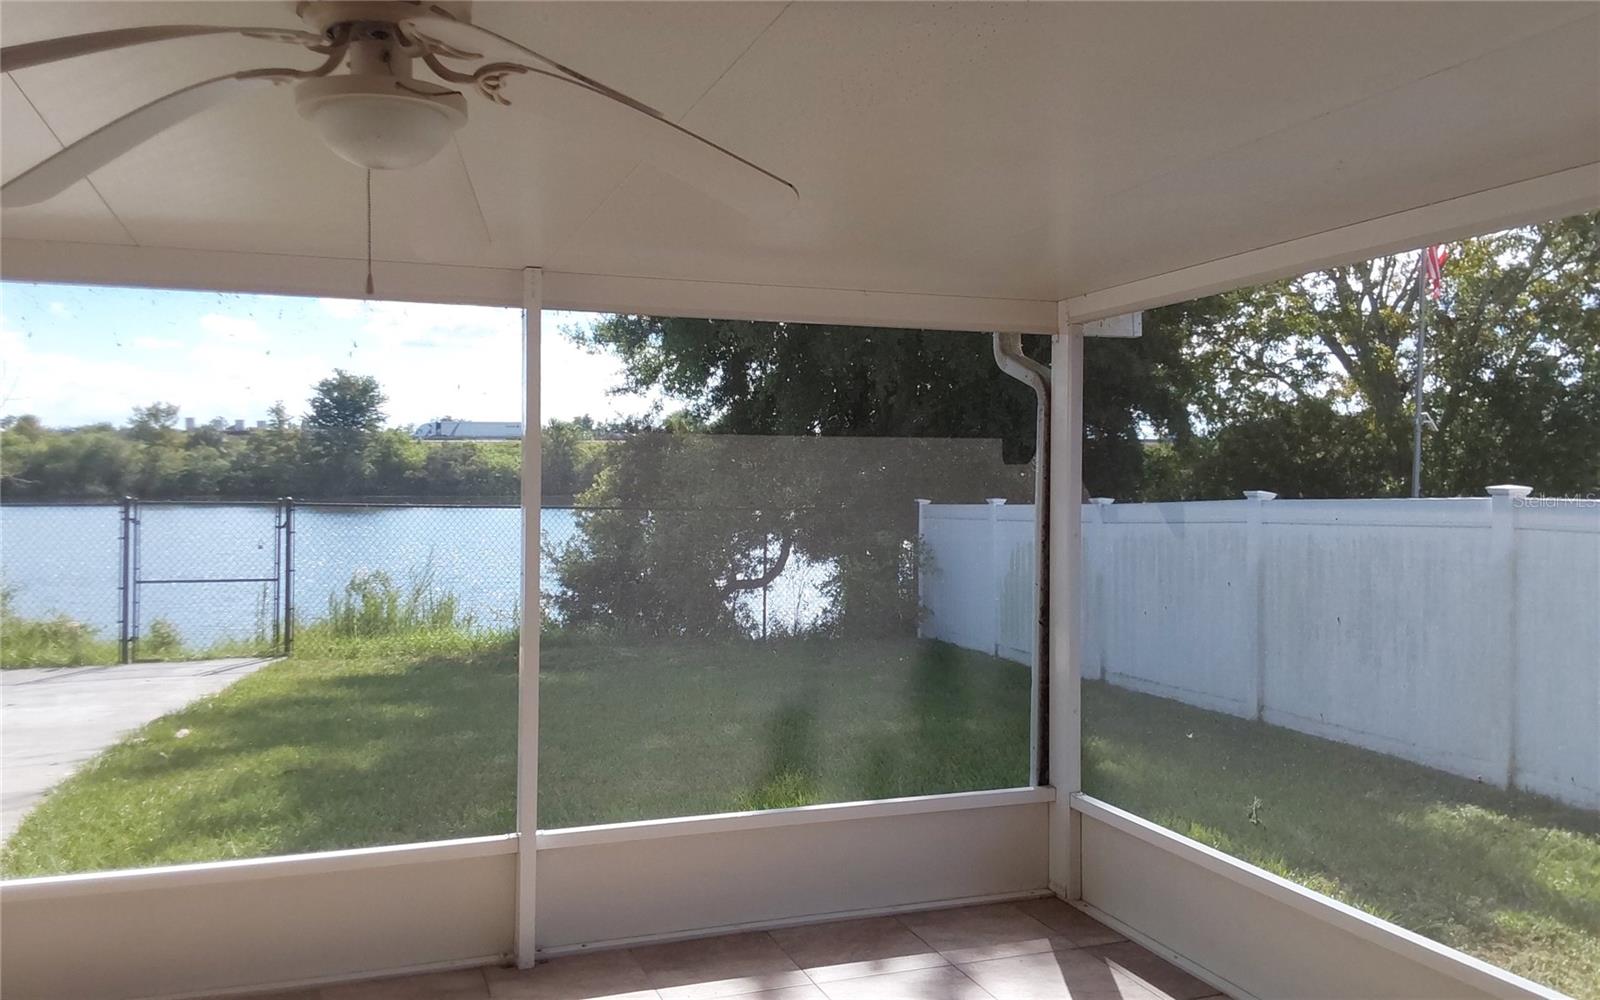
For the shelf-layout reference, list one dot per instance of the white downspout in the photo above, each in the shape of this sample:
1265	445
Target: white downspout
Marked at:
1008	355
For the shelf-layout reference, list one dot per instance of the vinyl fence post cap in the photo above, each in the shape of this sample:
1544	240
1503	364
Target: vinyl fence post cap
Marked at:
1509	490
1260	495
995	501
1102	501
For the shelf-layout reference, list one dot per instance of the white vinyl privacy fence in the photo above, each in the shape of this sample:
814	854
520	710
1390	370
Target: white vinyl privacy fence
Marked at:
1463	634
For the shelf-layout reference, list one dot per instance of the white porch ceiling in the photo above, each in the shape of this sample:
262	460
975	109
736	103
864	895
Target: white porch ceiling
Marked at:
1024	151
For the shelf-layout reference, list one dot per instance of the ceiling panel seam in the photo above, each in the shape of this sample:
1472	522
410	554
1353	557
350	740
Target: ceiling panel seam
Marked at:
560	244
87	180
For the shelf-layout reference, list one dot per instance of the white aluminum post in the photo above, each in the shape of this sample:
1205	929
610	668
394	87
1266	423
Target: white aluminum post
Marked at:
1253	547
1422	372
1503	540
1096	555
997	575
1066	569
528	633
921	556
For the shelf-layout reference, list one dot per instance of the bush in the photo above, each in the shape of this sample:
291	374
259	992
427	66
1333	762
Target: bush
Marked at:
56	641
161	641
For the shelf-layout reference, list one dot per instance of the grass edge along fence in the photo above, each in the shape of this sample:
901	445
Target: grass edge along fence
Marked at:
1460	633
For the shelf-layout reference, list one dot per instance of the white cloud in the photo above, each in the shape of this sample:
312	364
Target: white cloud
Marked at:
241	328
431	360
341	308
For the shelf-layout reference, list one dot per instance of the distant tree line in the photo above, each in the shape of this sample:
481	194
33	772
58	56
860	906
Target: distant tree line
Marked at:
339	449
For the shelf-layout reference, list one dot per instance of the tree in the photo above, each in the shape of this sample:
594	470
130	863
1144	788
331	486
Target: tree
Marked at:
792	442
680	524
269	463
154	423
346	413
1513	360
346	402
786	378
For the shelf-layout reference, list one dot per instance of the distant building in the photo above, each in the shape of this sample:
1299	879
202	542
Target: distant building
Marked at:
469	430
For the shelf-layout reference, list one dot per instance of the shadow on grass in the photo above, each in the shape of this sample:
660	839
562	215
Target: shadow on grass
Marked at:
395	747
792	771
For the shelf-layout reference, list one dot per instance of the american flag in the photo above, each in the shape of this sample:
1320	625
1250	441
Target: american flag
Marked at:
1433	262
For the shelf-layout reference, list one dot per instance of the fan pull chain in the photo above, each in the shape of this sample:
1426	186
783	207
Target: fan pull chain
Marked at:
369	232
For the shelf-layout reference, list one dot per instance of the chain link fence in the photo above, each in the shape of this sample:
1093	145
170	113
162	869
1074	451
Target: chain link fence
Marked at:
61	583
143	580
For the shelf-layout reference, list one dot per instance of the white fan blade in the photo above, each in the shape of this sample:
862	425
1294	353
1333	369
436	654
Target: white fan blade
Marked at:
105	144
15	57
687	155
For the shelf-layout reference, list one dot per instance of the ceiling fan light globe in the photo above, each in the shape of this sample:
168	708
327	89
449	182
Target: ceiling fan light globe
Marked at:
380	123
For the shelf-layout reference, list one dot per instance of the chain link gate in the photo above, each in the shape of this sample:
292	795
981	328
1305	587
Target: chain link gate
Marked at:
169	574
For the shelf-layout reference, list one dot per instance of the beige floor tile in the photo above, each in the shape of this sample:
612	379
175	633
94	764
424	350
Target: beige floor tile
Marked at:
1134	963
612	975
850	949
943	983
1069	921
718	967
462	984
1072	974
978	933
786	993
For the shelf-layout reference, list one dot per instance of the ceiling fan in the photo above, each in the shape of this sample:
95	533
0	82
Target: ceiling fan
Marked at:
368	106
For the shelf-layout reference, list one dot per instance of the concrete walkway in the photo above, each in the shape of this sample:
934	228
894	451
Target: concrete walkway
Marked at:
54	719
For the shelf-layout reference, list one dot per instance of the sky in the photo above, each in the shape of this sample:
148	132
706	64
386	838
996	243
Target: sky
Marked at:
73	355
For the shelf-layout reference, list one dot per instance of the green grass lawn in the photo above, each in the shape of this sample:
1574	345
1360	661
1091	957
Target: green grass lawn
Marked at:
390	746
410	739
1513	879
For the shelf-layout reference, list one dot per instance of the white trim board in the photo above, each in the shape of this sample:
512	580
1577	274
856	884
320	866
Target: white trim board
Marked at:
252	869
284	274
834	812
818	918
1328	939
177	931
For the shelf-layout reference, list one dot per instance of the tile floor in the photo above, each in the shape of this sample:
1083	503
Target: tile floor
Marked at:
1039	949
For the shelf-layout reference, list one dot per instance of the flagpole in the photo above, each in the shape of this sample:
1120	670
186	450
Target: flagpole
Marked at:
1422	369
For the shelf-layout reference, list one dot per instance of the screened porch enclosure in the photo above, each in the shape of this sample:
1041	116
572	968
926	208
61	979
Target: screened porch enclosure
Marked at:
723	715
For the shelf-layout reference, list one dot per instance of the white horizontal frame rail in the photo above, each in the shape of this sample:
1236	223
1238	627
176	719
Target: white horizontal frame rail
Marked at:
666	879
252	869
915	805
1538	199
1339	917
286	274
254	925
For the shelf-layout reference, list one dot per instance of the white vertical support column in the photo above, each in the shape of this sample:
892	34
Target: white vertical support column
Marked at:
1253	548
1503	562
1066	611
997	575
528	633
1096	558
921	555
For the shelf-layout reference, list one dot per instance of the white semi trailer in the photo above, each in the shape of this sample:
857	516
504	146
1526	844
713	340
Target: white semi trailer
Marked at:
468	430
